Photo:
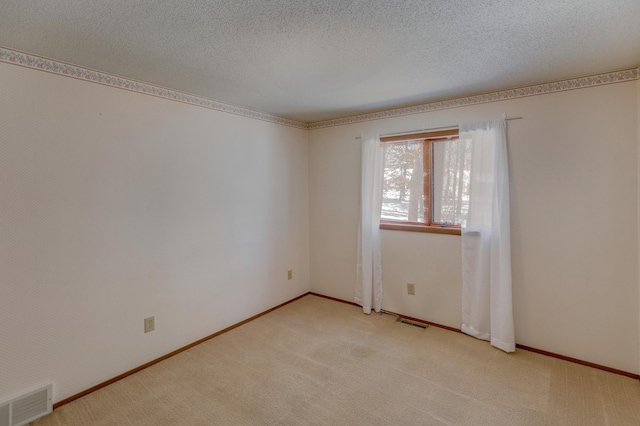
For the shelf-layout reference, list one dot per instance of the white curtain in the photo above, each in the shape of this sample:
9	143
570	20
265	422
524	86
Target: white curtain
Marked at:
368	292
486	248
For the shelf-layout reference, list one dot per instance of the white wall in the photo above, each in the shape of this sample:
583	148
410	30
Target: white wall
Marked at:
115	206
574	191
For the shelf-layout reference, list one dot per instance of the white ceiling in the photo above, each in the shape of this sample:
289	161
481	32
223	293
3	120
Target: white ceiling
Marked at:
317	60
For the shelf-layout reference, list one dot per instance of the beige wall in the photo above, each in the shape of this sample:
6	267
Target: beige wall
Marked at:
574	191
115	206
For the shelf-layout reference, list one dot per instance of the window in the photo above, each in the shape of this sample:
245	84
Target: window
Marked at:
426	182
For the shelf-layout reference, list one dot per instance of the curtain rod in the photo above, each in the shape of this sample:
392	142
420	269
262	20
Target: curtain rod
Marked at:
409	132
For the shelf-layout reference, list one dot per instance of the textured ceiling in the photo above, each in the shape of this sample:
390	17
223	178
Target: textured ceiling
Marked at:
323	59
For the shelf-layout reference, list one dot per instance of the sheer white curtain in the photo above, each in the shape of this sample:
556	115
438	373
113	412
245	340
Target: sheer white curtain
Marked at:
451	167
486	248
368	292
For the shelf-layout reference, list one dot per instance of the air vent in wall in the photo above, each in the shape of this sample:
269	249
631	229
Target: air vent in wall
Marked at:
4	415
26	408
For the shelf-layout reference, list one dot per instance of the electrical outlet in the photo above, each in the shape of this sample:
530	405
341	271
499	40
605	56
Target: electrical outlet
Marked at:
149	324
289	274
411	289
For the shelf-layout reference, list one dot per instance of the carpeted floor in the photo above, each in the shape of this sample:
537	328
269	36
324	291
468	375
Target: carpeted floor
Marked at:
321	362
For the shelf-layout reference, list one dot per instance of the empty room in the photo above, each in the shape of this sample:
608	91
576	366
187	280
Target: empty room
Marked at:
335	212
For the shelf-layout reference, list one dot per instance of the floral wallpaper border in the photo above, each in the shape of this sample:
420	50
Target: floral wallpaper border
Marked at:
49	65
539	89
44	64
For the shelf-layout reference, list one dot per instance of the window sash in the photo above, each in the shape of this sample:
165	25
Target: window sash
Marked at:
427	139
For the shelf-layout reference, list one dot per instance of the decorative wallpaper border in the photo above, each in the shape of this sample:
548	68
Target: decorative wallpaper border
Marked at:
49	65
44	64
540	89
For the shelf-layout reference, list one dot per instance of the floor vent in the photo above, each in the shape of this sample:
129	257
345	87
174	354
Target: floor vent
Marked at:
26	408
413	323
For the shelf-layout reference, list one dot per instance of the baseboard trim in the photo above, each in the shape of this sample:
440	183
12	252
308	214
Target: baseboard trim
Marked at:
204	339
169	355
333	298
519	346
421	321
579	361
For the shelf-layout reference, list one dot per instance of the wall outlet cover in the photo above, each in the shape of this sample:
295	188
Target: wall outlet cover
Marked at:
149	324
411	289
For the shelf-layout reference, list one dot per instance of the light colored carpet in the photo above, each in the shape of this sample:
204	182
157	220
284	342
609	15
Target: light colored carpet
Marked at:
321	362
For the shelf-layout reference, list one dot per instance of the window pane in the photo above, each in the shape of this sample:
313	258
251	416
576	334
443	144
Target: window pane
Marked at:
403	187
451	168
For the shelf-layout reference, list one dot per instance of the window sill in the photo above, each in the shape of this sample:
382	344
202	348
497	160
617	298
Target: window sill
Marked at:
420	228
